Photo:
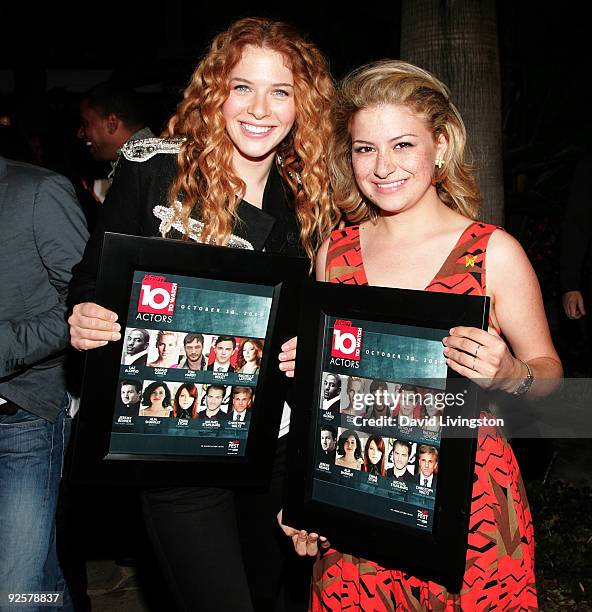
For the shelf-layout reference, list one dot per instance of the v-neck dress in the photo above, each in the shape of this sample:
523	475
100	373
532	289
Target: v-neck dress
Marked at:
499	571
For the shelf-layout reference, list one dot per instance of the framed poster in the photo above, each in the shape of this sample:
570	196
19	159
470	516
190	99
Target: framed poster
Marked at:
192	393
383	434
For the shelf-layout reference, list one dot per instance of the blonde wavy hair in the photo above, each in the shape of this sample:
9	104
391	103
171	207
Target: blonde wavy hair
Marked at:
207	182
396	82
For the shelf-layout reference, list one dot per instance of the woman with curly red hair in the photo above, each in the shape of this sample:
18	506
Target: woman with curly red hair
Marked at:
242	164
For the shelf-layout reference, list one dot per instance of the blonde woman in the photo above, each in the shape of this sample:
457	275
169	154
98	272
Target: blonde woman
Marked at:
167	347
400	176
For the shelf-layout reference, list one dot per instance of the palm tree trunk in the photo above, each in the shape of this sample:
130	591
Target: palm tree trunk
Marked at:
457	41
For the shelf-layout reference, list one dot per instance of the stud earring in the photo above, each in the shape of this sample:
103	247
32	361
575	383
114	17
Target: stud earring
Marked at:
439	162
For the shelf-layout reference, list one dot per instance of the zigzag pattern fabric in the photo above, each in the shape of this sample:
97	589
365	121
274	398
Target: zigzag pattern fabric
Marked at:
499	570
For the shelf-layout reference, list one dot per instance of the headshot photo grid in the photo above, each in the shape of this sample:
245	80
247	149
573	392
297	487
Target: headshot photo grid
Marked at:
188	391
378	438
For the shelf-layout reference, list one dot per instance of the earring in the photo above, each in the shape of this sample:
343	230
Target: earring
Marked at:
439	162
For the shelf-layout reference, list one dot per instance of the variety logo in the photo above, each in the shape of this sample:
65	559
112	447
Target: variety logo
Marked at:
157	295
347	341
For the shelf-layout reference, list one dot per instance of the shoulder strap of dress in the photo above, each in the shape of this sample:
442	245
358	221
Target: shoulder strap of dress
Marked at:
476	247
344	257
464	269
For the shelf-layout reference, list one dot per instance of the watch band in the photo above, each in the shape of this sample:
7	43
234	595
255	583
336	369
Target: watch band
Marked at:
525	383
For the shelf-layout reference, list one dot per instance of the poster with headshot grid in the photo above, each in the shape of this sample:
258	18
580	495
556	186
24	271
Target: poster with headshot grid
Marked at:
378	450
194	378
192	390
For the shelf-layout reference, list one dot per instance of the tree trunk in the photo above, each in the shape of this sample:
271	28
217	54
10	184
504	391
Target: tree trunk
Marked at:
457	41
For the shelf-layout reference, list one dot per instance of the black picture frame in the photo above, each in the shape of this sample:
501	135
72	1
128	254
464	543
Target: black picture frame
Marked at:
437	553
103	458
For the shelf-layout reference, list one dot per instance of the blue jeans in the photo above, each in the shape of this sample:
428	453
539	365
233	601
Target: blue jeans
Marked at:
31	461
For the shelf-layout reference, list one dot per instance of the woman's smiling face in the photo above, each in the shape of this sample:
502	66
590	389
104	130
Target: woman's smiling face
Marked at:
260	109
157	395
393	156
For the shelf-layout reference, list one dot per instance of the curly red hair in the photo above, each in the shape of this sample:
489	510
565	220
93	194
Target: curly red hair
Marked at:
206	177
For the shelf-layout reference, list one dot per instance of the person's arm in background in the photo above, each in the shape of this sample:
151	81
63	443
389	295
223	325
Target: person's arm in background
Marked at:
60	235
92	325
576	238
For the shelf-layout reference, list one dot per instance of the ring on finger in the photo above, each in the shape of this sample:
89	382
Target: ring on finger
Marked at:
474	360
477	350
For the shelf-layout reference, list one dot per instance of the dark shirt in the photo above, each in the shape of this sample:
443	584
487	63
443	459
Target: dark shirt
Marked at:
185	364
373	469
211	368
219	416
127	409
327	457
406	477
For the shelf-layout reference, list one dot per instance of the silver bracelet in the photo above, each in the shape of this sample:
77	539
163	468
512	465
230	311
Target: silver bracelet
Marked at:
525	383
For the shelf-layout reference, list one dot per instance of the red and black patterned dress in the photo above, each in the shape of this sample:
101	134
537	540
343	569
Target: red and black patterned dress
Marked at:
499	573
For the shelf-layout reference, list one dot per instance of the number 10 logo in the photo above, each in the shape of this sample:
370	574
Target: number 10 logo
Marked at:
347	341
157	296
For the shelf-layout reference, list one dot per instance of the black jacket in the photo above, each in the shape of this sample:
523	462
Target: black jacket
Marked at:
142	182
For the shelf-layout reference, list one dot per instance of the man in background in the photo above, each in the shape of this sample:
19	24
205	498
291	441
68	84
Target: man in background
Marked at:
42	235
110	115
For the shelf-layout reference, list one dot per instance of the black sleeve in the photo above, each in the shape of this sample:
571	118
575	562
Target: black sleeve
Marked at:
120	212
576	232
